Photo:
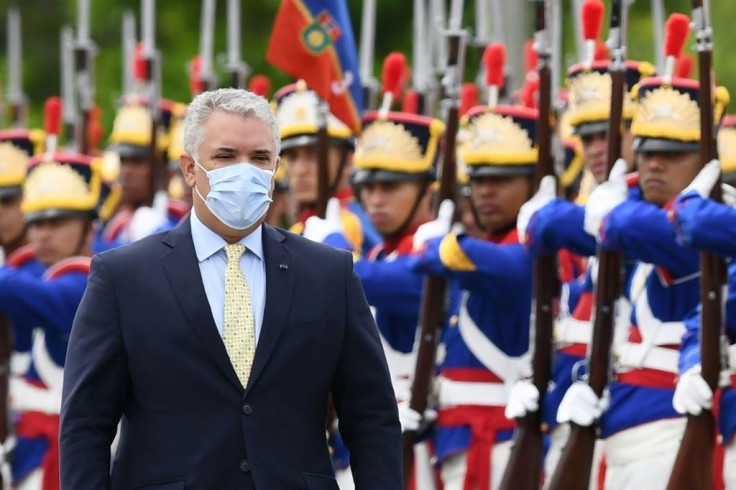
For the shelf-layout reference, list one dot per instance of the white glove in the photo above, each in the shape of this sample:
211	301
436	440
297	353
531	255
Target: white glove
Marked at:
147	220
581	405
705	180
437	228
523	398
411	420
605	197
317	229
692	394
546	193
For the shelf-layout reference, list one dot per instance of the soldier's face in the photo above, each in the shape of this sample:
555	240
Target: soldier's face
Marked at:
497	200
56	239
301	168
594	155
12	226
664	174
389	204
135	179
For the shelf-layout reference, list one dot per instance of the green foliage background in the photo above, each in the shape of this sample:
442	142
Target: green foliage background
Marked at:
178	39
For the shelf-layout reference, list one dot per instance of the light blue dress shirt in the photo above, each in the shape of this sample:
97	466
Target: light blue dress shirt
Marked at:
209	247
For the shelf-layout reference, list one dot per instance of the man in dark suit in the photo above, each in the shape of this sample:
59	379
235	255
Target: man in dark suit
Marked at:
218	342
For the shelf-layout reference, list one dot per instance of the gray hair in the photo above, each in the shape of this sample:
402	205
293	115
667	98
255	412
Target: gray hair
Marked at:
231	100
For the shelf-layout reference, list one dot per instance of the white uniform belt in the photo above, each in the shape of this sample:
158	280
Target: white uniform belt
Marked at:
25	397
666	333
573	331
732	357
453	393
637	356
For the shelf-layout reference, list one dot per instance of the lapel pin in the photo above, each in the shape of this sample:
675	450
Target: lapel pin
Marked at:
283	267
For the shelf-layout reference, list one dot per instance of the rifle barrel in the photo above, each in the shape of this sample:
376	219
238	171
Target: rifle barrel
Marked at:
694	461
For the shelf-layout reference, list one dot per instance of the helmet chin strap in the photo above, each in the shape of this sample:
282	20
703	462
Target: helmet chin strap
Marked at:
403	226
83	238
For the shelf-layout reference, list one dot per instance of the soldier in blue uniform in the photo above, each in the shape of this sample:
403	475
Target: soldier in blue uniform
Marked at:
60	196
394	169
483	350
640	427
550	225
703	224
130	145
296	110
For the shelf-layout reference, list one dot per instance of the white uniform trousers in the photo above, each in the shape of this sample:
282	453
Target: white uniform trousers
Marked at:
729	466
643	456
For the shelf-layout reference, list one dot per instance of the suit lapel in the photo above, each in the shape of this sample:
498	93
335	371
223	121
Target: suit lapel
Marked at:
280	273
182	268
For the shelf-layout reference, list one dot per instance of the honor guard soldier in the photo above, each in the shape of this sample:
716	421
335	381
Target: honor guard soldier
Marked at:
131	141
60	197
702	224
296	110
549	225
483	351
17	146
395	167
641	429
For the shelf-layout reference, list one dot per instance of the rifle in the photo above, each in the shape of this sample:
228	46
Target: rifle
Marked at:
693	468
206	42
432	310
68	92
524	467
235	65
84	53
367	40
128	41
151	80
573	469
16	98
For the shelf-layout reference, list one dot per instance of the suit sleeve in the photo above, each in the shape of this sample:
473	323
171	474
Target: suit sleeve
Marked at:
96	385
364	398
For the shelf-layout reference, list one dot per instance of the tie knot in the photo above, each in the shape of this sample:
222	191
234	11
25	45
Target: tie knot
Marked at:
234	251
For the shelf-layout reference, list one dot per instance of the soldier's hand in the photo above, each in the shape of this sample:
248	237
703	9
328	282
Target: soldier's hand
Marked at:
147	221
411	420
523	398
546	193
437	228
705	180
318	229
692	394
605	197
581	405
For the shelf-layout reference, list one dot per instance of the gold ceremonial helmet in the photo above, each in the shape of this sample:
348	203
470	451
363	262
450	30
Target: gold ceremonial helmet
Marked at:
16	148
63	184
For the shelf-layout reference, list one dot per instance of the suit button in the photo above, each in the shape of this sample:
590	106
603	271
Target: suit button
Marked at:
247	408
244	466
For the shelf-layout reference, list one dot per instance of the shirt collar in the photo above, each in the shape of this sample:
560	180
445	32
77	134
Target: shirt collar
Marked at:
207	242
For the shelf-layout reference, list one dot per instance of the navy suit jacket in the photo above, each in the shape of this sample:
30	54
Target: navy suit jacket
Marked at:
144	348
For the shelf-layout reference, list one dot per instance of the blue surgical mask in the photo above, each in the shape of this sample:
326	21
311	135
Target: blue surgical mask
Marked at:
239	193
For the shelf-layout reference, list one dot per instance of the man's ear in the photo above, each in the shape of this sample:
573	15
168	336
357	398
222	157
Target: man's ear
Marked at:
186	163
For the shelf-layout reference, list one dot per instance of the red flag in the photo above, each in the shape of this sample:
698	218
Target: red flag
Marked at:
313	40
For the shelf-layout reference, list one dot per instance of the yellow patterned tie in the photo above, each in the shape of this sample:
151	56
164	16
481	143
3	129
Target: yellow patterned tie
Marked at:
239	332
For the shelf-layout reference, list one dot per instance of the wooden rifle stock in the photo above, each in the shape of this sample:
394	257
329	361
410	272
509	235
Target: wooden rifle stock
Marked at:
574	467
524	468
693	468
433	305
